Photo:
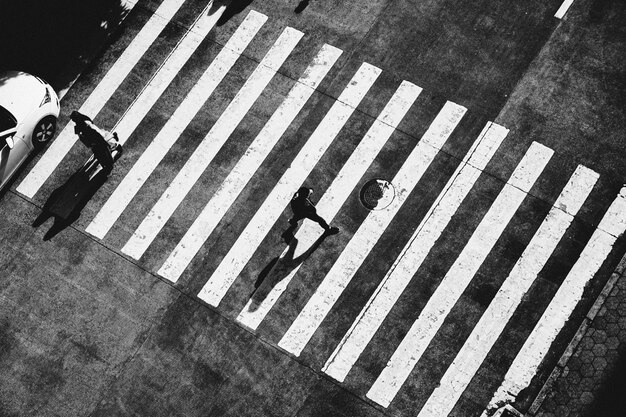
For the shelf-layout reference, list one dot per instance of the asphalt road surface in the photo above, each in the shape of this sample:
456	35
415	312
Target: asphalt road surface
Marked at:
470	153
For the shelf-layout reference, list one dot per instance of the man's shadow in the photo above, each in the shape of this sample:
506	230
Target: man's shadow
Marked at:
279	268
66	202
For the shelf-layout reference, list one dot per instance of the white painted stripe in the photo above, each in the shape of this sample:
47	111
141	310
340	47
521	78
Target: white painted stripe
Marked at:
414	252
273	206
211	144
537	345
459	276
166	73
509	296
100	95
369	232
247	165
340	189
175	125
563	9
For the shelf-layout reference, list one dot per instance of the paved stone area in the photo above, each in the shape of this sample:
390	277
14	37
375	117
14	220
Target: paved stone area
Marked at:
590	378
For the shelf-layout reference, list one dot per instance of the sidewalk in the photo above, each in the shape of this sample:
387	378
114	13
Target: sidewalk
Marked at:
590	378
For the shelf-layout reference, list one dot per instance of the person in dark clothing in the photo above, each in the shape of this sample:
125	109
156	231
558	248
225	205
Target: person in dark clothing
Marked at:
95	139
303	208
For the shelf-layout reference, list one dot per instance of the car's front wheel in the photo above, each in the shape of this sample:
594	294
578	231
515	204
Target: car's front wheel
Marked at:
44	131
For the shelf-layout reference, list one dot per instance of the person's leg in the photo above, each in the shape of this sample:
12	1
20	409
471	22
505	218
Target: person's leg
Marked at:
104	157
295	219
318	219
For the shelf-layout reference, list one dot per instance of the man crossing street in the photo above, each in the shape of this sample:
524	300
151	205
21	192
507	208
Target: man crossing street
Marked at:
303	208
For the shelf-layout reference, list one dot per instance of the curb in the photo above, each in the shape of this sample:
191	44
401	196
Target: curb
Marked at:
582	329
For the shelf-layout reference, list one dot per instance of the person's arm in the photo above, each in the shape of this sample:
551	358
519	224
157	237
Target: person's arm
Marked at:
98	134
308	203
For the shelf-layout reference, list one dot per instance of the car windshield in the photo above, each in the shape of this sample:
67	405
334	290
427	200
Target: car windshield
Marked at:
7	120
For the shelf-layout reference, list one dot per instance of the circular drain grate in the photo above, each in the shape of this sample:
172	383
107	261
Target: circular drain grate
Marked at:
377	194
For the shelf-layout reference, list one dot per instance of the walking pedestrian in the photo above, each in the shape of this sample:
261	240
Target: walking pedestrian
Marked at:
302	208
101	142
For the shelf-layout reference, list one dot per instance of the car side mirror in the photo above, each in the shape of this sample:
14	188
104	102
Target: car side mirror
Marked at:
9	141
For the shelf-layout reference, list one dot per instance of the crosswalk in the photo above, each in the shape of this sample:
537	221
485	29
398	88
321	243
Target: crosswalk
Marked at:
491	324
232	186
415	252
342	185
102	93
346	262
210	145
459	276
273	206
159	147
370	230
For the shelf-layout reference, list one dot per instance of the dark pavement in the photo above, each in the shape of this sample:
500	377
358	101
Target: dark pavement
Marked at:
58	40
86	330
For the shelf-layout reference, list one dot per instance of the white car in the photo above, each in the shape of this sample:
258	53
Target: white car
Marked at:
29	109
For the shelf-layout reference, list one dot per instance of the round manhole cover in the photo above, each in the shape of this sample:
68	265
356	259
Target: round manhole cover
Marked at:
377	194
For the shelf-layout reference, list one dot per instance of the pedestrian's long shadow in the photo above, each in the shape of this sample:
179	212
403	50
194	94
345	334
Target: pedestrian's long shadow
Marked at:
233	7
301	6
279	268
66	202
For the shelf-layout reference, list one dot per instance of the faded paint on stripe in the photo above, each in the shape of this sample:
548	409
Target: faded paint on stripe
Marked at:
273	206
414	252
99	96
332	200
459	276
509	296
537	345
363	241
211	144
247	165
170	133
